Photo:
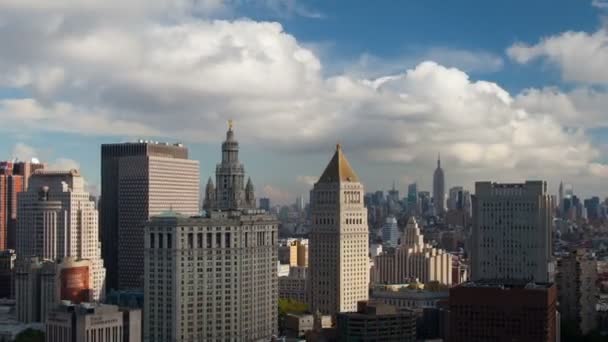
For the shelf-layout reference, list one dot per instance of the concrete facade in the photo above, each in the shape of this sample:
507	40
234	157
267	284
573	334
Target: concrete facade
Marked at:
577	291
338	245
93	323
412	260
511	237
377	322
213	277
57	219
140	180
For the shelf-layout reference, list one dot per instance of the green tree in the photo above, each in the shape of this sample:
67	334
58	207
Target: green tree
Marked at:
30	335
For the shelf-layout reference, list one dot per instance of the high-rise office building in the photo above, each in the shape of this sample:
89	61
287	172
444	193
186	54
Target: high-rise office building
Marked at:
413	260
213	278
439	189
338	247
592	206
57	220
412	199
140	180
560	199
36	288
7	268
390	232
14	178
265	203
577	291
511	237
456	198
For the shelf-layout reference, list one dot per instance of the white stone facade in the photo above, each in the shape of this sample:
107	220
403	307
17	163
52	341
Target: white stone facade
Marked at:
210	279
57	219
339	242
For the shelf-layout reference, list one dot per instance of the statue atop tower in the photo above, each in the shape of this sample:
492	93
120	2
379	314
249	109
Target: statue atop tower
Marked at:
230	191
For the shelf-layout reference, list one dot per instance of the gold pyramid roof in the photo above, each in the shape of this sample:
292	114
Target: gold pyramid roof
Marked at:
338	169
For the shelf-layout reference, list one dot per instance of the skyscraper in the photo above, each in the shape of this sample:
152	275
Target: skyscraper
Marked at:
439	189
57	220
14	178
560	198
413	259
412	199
390	232
213	277
511	237
338	247
140	180
577	291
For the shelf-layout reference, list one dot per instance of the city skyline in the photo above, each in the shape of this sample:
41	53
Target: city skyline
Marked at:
514	107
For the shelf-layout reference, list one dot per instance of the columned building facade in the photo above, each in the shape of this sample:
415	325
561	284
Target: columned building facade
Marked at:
213	277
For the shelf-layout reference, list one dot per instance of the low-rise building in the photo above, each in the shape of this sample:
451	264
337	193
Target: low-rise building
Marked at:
93	322
376	322
408	296
293	286
486	311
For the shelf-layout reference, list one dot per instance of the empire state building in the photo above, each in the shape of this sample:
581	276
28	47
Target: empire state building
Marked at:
439	189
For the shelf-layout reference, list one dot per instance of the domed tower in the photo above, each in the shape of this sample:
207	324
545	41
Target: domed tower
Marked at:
209	201
230	191
249	194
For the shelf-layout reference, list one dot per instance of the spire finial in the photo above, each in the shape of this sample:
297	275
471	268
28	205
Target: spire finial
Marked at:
338	147
230	123
438	159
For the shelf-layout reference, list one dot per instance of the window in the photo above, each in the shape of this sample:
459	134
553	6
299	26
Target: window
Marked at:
152	240
160	241
190	240
227	240
218	240
209	240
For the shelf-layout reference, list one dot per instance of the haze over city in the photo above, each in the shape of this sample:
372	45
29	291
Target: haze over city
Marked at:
395	82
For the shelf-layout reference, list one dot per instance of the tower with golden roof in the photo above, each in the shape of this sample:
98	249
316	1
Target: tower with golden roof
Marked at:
338	246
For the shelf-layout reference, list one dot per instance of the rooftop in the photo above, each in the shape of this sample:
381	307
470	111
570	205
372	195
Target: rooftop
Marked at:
338	169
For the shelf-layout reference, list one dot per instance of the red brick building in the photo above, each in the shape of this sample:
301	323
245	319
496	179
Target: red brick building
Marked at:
482	312
13	180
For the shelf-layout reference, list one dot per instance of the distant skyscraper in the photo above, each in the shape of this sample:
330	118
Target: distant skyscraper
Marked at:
338	247
14	178
425	202
57	220
300	203
390	232
439	189
412	198
393	194
592	205
265	203
140	180
456	198
215	277
413	260
560	198
511	232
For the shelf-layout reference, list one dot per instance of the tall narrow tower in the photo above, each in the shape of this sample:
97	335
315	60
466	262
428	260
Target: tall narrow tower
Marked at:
338	247
439	189
231	192
560	198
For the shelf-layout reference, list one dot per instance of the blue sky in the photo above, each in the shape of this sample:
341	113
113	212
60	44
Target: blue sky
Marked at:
505	90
